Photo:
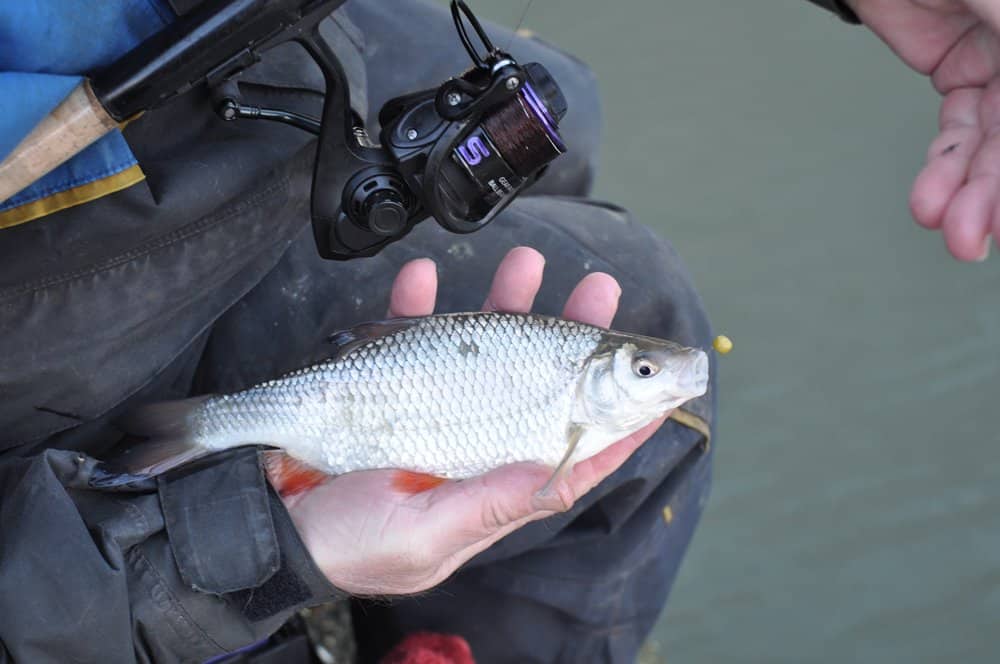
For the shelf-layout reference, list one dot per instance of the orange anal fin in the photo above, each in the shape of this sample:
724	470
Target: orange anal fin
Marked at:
407	481
290	476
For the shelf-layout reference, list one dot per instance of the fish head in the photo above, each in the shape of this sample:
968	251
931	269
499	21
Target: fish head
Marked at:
634	380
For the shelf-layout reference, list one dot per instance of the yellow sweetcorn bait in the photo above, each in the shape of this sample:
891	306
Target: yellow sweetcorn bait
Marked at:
722	344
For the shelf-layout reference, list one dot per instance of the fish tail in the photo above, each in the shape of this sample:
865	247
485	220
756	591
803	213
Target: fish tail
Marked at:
164	438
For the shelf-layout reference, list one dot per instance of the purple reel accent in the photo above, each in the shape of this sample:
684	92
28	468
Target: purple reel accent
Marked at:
538	107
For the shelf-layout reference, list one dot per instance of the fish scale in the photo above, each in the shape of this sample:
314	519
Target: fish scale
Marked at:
469	420
451	395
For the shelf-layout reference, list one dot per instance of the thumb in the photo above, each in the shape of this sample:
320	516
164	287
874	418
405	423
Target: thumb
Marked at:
489	503
509	500
494	501
472	513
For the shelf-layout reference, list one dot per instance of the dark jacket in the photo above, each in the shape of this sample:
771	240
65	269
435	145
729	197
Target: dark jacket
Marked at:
202	279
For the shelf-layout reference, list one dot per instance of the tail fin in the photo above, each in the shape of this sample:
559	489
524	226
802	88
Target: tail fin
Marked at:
167	440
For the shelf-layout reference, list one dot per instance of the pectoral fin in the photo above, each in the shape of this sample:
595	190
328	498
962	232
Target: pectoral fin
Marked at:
573	435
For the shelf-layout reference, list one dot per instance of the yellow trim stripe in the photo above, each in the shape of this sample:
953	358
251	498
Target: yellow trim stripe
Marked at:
70	197
693	422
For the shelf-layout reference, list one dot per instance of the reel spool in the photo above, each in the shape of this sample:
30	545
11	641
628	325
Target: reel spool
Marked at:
509	148
503	133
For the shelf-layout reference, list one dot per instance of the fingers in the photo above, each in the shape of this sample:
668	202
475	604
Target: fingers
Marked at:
948	158
516	282
515	285
957	191
414	289
940	179
967	223
594	300
974	211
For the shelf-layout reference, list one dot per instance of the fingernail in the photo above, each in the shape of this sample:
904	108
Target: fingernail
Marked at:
986	249
553	500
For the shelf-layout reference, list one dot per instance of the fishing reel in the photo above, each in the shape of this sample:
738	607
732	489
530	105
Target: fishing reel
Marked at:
459	153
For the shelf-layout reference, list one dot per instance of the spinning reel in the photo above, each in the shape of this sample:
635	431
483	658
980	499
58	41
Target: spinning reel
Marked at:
460	152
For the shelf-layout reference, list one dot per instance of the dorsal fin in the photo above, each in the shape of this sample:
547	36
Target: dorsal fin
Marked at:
351	338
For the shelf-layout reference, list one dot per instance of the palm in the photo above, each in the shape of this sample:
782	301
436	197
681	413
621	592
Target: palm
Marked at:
956	43
389	543
368	538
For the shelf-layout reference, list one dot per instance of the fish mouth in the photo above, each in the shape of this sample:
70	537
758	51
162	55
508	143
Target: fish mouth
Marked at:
693	378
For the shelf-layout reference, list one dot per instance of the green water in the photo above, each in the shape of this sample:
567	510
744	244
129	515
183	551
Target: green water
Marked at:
854	513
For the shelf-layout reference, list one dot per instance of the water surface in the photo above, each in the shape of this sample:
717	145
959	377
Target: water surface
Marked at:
854	513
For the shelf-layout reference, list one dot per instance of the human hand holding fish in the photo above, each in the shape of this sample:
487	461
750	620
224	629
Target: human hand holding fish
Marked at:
369	538
528	412
382	541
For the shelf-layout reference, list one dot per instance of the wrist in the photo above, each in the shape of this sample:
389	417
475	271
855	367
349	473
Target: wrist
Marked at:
297	583
307	534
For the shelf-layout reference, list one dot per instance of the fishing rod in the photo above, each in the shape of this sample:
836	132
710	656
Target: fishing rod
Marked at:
460	152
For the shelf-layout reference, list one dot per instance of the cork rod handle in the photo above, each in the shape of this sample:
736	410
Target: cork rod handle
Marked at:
76	122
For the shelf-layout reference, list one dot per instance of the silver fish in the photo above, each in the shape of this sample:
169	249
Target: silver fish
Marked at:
452	396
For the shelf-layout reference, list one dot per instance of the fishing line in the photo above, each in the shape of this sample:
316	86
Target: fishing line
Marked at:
518	134
520	22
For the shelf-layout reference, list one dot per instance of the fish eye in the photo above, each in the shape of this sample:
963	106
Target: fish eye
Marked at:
643	368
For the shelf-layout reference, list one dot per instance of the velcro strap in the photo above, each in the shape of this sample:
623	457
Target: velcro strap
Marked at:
219	522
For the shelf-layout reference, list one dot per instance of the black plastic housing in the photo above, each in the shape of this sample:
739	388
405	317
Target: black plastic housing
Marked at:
213	42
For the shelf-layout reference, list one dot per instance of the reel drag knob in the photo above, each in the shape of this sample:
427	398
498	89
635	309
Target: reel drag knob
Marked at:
385	212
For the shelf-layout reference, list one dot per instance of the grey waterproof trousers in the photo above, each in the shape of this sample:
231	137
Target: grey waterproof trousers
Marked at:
204	278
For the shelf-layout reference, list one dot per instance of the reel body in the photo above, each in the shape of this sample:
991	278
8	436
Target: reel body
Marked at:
459	153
